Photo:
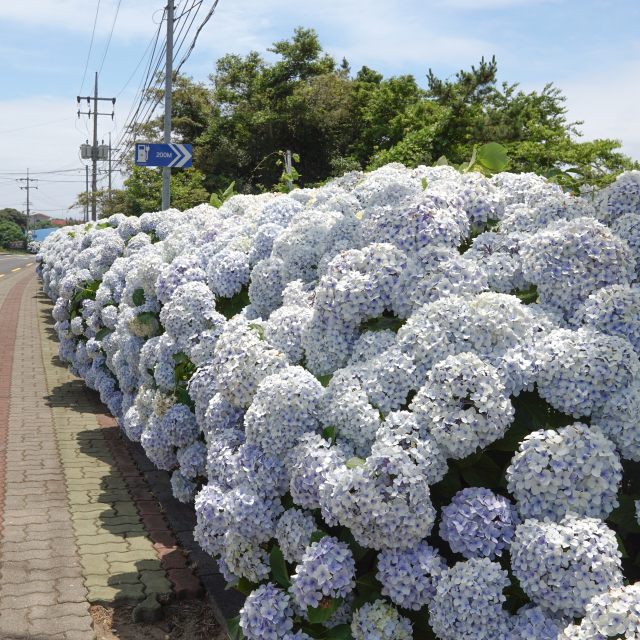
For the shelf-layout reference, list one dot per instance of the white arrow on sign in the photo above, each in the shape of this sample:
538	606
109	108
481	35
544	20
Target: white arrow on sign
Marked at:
182	155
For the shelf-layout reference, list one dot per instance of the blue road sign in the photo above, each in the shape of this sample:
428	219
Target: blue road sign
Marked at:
163	155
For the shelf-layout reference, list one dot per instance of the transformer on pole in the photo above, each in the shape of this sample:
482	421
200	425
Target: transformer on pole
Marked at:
94	152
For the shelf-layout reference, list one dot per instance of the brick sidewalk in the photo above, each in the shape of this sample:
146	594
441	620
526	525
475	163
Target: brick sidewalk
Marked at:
80	525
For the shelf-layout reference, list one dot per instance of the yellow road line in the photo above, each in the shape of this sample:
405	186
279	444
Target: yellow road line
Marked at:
2	275
18	269
28	265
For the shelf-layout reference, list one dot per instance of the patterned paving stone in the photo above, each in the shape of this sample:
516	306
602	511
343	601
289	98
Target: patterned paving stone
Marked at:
77	518
34	563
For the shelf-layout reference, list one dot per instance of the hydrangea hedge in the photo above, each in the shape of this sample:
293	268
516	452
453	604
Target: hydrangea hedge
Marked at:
406	403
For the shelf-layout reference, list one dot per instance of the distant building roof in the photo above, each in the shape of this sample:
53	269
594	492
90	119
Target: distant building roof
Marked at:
59	223
39	216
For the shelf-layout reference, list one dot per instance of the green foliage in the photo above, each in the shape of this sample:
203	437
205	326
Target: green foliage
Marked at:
492	156
625	514
143	191
103	333
230	307
10	232
13	215
382	324
337	122
329	434
146	317
234	628
324	610
279	567
325	380
316	536
218	199
138	297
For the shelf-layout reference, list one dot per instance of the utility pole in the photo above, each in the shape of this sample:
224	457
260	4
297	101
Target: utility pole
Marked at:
28	180
86	204
168	87
94	152
109	168
287	164
94	177
110	152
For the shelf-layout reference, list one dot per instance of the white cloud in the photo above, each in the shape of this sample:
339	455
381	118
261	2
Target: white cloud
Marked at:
79	15
608	103
481	5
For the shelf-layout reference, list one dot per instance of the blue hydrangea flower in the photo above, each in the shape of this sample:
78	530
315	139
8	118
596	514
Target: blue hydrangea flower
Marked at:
478	523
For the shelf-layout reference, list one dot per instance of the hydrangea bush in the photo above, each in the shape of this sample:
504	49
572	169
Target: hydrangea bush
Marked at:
404	404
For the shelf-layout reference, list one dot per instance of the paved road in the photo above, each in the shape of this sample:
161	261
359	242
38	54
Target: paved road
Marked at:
11	265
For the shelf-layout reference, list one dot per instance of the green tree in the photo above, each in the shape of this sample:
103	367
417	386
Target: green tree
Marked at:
143	191
304	101
10	232
532	126
13	215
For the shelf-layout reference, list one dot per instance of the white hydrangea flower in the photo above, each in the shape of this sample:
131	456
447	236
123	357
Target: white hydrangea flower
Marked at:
612	614
468	601
385	500
614	310
618	419
293	533
242	360
561	566
436	272
574	469
380	621
621	197
569	260
537	215
285	407
498	254
567	377
463	405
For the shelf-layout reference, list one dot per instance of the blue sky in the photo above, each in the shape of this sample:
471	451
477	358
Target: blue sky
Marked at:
589	49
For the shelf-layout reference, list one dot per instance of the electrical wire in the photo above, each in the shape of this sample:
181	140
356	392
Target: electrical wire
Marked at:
193	44
36	125
90	47
113	24
153	40
142	87
147	106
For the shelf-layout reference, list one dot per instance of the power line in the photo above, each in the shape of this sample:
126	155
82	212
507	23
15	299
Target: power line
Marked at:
154	39
113	24
193	44
146	106
142	88
143	107
90	46
42	124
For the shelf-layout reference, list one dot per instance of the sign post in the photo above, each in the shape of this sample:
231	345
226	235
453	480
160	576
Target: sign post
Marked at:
163	155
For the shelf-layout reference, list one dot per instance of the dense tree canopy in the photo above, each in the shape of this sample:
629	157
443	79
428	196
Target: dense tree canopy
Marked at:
338	121
9	232
13	215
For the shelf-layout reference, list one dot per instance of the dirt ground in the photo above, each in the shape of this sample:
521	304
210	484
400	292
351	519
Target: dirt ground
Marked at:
193	620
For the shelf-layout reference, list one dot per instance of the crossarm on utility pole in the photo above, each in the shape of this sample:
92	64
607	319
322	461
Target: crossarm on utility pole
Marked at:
94	148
